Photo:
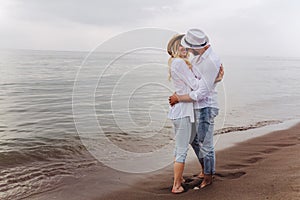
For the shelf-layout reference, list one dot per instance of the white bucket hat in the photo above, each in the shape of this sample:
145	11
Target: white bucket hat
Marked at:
194	39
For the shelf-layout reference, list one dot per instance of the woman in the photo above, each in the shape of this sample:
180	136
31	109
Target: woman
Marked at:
182	113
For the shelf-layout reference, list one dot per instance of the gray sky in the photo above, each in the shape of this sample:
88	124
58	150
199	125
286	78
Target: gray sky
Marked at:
235	27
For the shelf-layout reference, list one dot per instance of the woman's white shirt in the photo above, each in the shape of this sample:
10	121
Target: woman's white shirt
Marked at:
184	82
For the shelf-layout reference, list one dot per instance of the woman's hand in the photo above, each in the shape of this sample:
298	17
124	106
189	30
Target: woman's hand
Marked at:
220	74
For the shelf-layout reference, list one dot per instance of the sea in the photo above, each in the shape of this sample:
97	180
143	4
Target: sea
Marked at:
62	113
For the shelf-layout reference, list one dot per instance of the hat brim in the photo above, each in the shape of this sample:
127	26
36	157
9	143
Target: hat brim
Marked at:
186	45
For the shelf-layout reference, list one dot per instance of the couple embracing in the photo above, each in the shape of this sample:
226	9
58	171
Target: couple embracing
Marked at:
194	103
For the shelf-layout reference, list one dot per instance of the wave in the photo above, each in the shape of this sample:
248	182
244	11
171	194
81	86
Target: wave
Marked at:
244	128
23	181
21	151
16	153
39	166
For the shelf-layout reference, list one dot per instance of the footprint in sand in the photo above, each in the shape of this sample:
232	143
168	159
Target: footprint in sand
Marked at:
269	150
253	160
234	166
193	181
231	175
284	145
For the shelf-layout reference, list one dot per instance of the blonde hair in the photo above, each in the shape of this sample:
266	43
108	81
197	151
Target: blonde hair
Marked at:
173	51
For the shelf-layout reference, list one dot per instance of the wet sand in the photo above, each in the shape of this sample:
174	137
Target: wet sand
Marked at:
265	167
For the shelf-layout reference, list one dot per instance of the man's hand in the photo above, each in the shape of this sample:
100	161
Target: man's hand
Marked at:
220	74
173	99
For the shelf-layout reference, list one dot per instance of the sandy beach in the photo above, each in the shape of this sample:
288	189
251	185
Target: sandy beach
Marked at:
266	167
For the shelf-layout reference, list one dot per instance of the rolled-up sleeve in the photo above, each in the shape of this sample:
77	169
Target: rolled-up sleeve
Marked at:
202	92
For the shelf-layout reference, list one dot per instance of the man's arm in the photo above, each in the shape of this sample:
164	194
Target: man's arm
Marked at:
201	92
179	98
220	74
186	98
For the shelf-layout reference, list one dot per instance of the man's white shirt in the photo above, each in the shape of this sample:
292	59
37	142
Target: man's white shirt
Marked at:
199	83
206	67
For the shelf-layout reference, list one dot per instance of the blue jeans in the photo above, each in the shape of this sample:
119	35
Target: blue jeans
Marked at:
203	143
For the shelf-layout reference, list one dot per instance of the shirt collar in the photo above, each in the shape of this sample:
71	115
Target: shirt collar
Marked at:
206	53
198	59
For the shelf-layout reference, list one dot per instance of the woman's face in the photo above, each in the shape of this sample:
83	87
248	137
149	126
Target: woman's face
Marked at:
182	51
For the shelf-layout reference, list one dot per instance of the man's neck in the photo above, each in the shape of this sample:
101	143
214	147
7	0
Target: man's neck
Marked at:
198	57
203	50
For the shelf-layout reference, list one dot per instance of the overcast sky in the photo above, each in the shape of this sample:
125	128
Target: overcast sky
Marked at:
235	27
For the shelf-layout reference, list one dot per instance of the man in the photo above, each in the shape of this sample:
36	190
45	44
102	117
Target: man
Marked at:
206	66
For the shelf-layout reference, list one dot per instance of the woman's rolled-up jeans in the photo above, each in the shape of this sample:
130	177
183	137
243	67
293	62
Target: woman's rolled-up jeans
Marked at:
183	128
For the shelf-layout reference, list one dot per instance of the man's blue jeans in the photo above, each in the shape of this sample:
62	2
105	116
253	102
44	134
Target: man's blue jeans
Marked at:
203	143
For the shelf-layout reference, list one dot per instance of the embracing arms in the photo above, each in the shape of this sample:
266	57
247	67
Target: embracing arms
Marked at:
203	89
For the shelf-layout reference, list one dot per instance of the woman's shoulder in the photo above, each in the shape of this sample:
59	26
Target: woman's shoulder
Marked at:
177	62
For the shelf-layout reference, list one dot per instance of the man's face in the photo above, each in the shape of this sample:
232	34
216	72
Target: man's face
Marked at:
197	52
194	52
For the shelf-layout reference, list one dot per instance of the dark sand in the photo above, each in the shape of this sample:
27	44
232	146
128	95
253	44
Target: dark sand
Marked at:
266	167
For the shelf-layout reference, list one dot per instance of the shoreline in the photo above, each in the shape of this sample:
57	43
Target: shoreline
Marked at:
251	169
239	157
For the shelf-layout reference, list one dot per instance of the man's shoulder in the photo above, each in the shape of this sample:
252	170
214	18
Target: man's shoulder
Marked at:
214	58
214	55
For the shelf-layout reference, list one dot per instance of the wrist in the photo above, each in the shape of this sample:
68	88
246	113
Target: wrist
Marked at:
178	98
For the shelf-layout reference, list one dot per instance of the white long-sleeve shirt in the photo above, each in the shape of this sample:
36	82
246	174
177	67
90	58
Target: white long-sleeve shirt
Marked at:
184	81
207	67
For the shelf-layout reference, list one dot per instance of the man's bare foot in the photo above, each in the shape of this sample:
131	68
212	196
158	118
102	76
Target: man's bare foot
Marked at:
182	180
206	181
201	175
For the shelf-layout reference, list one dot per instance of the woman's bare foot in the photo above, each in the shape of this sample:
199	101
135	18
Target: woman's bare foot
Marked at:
206	181
177	190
